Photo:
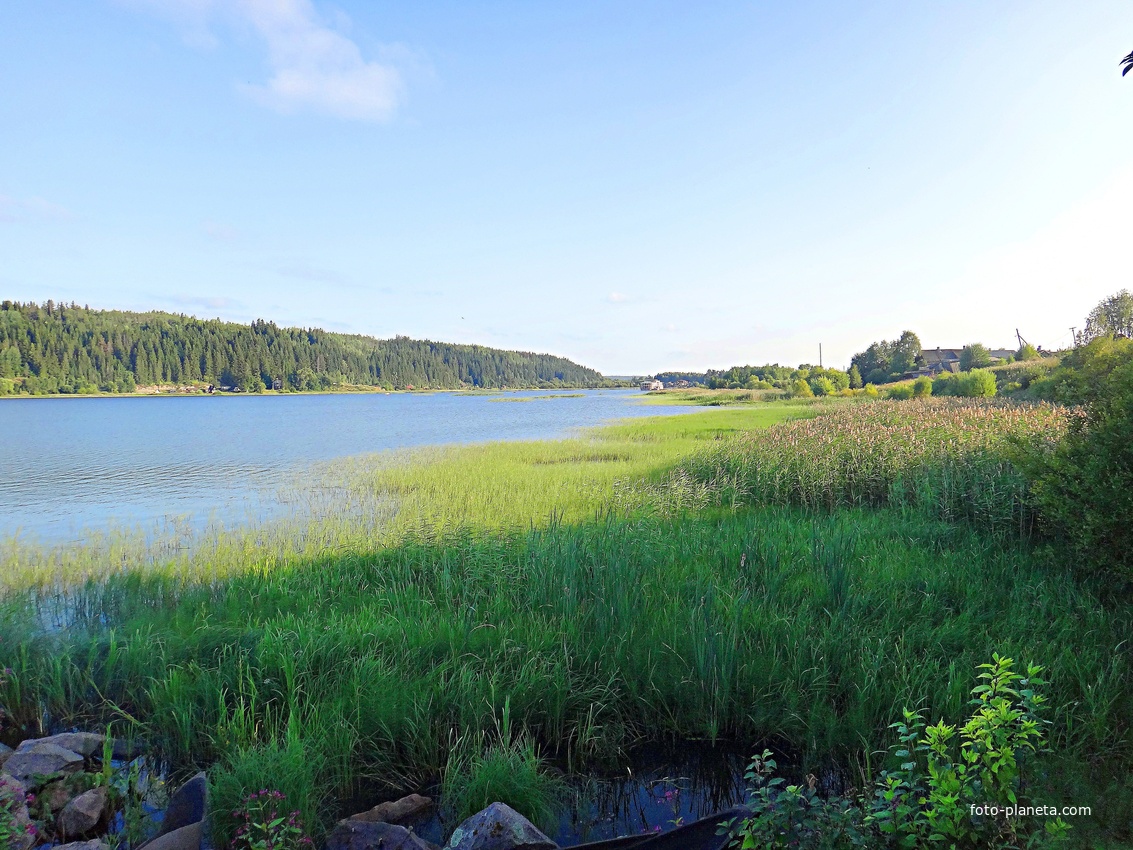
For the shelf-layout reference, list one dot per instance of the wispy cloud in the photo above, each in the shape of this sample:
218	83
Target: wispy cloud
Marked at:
314	67
27	209
302	270
617	298
220	232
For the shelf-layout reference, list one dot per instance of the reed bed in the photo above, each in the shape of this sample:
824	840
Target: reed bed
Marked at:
947	457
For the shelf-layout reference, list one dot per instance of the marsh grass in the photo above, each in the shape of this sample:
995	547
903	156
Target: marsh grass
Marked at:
511	579
504	767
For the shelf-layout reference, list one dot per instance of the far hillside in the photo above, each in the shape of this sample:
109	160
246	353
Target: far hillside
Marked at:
59	348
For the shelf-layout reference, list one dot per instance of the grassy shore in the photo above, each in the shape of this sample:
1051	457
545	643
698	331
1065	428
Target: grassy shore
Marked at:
702	576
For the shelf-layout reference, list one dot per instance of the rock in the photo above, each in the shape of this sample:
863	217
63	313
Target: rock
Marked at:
84	813
353	834
5	751
13	792
185	838
93	844
41	760
499	827
55	795
85	744
405	810
123	750
187	805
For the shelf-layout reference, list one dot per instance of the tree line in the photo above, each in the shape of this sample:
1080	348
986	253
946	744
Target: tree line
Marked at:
66	348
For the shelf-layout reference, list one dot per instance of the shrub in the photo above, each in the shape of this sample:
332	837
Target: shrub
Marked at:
979	383
870	390
1083	484
945	385
822	386
922	387
801	389
901	393
1027	352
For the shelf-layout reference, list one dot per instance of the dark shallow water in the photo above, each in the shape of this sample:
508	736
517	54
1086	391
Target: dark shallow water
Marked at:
69	464
659	787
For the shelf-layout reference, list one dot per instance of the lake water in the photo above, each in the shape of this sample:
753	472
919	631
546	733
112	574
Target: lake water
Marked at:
71	464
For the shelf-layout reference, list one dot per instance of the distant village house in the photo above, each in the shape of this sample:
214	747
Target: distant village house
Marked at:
651	386
937	361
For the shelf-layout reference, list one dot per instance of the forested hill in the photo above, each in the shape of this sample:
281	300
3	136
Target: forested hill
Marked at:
58	348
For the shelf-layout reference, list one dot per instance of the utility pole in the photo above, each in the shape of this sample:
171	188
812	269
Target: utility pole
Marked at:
820	355
1018	338
1074	336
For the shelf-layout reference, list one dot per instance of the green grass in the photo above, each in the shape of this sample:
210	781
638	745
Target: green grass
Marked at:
593	591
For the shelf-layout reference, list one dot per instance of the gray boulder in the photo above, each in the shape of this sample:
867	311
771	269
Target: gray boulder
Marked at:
5	751
185	838
403	811
41	760
93	844
353	834
499	827
55	796
188	804
85	744
84	813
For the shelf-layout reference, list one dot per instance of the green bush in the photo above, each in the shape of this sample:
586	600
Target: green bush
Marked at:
822	386
947	384
1083	484
901	393
801	389
1027	352
922	387
979	383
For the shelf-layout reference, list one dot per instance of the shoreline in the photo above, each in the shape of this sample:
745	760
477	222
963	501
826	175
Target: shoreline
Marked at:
352	391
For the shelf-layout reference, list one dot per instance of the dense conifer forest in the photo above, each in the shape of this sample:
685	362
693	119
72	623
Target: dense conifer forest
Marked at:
67	348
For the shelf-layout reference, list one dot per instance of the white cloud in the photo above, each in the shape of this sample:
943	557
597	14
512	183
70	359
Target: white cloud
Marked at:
617	298
313	66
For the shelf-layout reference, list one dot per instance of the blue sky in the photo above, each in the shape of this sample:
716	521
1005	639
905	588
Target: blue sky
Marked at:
638	186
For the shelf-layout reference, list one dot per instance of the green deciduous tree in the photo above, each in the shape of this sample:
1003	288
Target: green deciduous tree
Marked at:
974	356
1112	316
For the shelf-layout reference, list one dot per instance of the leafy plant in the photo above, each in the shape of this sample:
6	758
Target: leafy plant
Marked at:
793	815
947	776
15	830
266	824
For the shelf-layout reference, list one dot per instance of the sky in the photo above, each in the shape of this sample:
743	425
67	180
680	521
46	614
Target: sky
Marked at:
639	186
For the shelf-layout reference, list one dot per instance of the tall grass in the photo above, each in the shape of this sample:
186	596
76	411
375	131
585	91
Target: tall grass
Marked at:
511	578
946	457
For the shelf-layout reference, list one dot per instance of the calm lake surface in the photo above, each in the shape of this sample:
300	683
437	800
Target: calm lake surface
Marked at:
74	464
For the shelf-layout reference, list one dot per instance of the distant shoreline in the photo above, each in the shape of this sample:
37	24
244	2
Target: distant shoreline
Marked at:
352	391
